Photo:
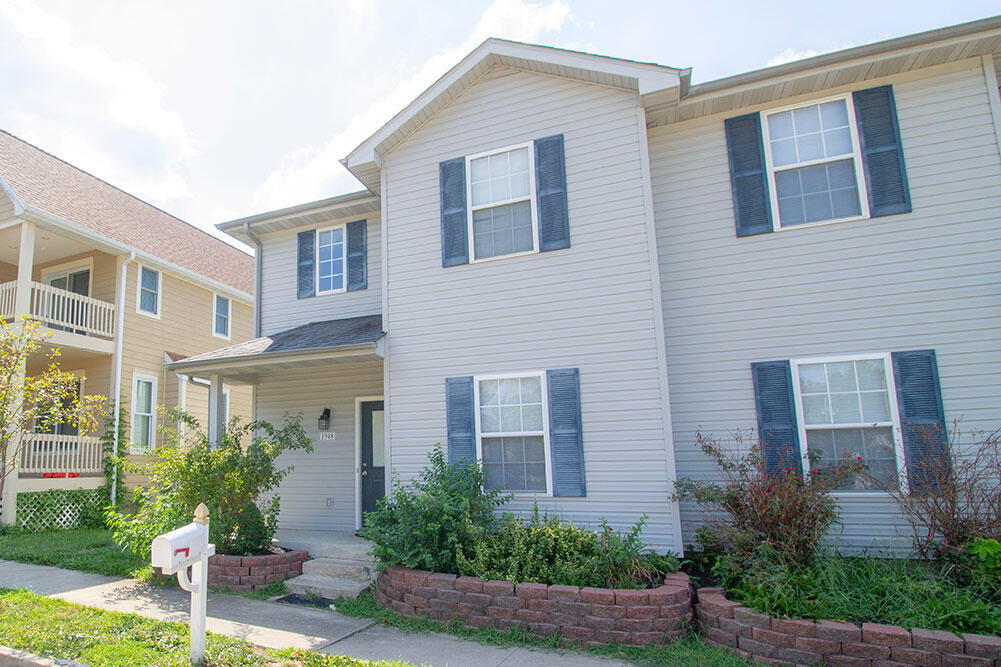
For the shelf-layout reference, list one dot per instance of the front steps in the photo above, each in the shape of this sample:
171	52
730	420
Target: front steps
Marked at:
341	565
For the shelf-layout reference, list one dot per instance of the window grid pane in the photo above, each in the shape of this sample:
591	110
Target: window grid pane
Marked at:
515	463
330	260
511	412
499	177
503	230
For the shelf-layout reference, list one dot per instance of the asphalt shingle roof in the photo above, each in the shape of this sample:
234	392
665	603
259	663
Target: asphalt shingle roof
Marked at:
44	181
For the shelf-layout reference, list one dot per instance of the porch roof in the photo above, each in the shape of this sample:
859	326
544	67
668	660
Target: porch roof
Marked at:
353	336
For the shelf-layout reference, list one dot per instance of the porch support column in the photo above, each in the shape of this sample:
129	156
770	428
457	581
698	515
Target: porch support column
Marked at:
22	307
216	424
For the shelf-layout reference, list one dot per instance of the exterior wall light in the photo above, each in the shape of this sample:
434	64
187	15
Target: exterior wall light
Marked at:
323	423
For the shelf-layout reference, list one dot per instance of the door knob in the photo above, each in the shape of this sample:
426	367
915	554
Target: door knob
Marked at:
364	473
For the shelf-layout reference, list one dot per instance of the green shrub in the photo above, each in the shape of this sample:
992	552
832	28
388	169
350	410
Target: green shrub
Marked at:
549	551
425	523
227	477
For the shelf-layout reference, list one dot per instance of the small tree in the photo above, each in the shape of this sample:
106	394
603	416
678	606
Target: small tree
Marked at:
30	403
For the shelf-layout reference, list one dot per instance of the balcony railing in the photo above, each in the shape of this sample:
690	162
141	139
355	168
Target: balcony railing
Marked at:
62	309
48	453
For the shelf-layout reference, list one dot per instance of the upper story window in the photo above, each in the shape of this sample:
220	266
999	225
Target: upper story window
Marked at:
330	260
848	412
815	165
220	325
502	217
512	438
148	300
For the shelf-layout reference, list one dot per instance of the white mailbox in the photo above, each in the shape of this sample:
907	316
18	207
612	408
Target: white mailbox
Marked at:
180	548
176	551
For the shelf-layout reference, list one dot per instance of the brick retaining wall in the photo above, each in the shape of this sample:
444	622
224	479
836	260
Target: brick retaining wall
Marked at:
590	616
248	573
776	641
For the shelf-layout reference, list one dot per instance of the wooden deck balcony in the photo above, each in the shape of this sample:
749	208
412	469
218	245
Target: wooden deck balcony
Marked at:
62	310
62	455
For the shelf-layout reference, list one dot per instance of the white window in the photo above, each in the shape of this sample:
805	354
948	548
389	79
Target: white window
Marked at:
220	325
501	194
512	438
148	292
847	411
330	260
143	412
814	163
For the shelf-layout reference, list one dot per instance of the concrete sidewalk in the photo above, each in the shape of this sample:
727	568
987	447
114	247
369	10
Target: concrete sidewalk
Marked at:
278	625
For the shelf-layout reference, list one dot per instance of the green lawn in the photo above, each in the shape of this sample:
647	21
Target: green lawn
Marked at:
86	550
689	652
60	630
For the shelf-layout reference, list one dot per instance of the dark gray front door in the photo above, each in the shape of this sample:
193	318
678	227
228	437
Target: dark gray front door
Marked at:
373	455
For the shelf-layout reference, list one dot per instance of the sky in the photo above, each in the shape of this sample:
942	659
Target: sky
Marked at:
216	109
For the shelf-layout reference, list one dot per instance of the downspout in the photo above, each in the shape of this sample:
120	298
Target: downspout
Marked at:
119	337
258	261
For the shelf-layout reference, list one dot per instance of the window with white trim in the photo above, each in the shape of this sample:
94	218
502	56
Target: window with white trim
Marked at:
814	163
512	441
501	189
848	413
330	252
220	325
148	301
143	413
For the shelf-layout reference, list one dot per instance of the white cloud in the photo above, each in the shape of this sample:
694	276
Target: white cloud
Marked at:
130	96
313	172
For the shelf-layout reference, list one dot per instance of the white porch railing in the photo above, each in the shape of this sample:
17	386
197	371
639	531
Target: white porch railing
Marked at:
62	309
62	454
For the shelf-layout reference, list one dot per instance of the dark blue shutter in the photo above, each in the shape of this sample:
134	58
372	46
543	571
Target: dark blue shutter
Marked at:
307	264
777	429
357	255
922	418
882	154
454	229
748	176
460	419
566	436
551	194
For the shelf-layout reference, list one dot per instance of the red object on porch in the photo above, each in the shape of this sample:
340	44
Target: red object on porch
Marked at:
60	475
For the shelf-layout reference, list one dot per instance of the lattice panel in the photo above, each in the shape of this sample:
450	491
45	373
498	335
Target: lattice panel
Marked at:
58	508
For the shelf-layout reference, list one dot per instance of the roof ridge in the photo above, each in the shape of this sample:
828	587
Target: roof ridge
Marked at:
115	187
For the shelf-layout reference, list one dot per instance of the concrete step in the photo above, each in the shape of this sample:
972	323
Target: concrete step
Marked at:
327	587
341	568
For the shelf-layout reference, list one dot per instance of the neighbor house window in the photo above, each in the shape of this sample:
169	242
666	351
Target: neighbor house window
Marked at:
848	413
149	291
221	324
814	163
330	260
502	202
143	417
511	432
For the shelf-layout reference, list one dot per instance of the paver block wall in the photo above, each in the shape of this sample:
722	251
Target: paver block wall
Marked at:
777	641
589	616
248	573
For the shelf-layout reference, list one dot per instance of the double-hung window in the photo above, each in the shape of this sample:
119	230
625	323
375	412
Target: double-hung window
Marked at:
501	192
814	163
512	440
220	326
330	260
148	299
143	413
848	412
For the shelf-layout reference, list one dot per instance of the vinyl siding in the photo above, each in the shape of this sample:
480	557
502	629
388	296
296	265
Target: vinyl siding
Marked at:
284	310
928	279
329	471
103	278
589	306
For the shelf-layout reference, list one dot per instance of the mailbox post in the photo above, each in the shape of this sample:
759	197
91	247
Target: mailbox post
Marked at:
188	546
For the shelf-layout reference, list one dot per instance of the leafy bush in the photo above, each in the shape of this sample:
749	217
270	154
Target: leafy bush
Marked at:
228	478
789	513
425	523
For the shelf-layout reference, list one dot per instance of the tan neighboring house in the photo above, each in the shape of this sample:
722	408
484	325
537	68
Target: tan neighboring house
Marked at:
122	287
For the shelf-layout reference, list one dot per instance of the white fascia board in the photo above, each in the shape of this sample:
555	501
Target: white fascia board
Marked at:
117	247
649	78
9	191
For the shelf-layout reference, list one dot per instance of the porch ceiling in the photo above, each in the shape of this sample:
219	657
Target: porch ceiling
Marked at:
49	246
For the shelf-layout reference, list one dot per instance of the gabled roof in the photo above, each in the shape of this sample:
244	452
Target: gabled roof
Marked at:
654	83
361	204
38	180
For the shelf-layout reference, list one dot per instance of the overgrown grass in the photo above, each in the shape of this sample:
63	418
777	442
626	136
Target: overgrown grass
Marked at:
60	630
89	550
688	652
911	594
